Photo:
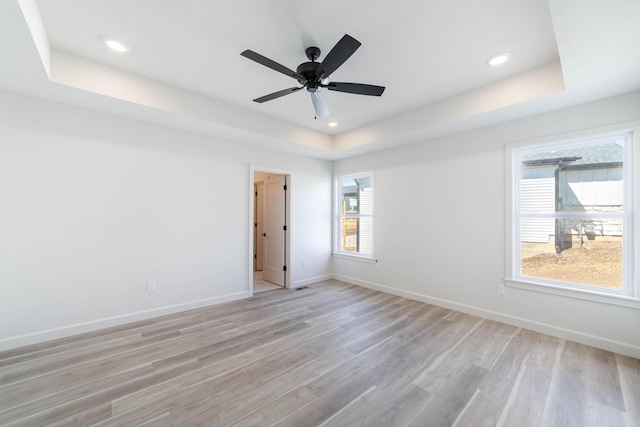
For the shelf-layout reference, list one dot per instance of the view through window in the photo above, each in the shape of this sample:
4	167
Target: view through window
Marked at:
571	213
355	214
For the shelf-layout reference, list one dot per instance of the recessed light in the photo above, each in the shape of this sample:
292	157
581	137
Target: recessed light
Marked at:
116	45
332	124
497	59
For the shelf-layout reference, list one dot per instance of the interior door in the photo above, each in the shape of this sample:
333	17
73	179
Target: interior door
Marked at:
258	229
274	229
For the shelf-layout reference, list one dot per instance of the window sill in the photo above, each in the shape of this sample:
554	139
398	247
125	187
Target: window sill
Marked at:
360	258
594	296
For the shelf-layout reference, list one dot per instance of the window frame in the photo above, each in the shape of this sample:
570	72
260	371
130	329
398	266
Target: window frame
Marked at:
338	215
629	296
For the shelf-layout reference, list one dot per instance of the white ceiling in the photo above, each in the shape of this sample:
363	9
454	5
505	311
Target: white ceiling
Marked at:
184	68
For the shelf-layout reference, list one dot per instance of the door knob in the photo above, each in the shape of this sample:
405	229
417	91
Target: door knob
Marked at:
264	234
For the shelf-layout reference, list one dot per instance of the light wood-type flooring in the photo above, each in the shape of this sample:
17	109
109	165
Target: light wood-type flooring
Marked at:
261	285
330	354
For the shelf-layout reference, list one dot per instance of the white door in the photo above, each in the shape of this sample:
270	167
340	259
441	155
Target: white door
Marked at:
258	229
274	229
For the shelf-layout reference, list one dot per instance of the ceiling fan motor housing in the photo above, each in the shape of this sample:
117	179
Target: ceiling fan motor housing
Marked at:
308	71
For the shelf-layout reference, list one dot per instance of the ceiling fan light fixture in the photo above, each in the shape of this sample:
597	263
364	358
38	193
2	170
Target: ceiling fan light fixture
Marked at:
498	59
319	105
115	44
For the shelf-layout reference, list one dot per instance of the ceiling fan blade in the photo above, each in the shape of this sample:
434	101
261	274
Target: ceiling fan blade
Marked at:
271	64
357	88
318	104
338	55
277	94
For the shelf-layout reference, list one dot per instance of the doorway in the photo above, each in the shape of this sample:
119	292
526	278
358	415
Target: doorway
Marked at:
270	235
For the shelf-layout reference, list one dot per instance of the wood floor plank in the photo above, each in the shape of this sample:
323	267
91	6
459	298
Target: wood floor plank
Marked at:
163	420
460	355
495	336
629	372
602	381
394	325
265	396
382	408
300	396
85	370
565	403
132	348
412	356
337	389
31	405
246	381
486	406
450	398
82	414
599	415
331	354
287	392
528	398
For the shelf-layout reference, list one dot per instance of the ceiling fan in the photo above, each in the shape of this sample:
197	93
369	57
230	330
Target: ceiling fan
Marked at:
315	75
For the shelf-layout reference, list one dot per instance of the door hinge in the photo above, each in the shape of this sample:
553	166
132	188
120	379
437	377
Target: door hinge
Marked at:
284	227
256	193
285	187
255	256
284	268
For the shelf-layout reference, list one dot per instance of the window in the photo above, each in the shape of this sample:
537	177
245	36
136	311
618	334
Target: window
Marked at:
354	214
571	215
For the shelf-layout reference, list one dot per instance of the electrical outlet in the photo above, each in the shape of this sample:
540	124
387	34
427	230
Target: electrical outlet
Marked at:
303	264
151	286
501	289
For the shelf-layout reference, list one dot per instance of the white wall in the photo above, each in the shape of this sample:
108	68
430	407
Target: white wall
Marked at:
440	228
92	206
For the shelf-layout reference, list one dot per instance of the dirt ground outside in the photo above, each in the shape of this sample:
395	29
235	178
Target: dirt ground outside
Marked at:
595	263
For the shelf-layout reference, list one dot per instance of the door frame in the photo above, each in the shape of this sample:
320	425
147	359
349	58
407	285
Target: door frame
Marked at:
288	241
259	225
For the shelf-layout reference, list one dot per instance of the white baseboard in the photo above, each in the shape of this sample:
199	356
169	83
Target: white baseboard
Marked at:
94	325
568	334
311	280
